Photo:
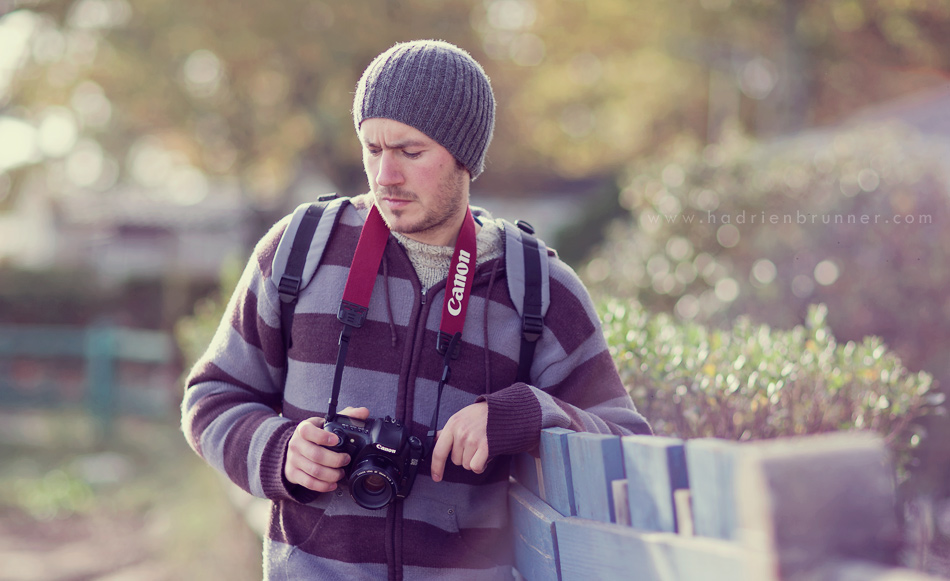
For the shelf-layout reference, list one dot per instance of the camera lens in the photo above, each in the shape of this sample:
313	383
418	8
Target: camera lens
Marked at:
373	483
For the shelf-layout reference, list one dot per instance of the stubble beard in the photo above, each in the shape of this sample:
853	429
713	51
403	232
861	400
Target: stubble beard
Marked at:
446	207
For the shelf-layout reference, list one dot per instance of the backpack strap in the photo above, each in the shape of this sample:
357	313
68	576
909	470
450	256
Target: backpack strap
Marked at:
528	286
302	244
299	252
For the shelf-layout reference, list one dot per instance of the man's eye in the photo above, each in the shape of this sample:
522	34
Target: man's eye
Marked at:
412	154
373	151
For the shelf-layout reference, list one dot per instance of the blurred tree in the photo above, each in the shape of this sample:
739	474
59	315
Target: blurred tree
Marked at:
167	91
796	63
168	94
604	88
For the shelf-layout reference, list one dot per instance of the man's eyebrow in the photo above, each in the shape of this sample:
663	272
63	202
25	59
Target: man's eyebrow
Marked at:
400	144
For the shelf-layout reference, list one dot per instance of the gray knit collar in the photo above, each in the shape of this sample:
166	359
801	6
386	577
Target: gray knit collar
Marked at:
432	262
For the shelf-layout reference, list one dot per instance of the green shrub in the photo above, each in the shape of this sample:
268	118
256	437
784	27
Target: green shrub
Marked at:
753	382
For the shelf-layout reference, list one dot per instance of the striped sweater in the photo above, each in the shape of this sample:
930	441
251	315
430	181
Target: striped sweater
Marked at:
246	395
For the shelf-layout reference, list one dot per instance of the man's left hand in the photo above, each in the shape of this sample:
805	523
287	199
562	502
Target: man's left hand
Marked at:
465	436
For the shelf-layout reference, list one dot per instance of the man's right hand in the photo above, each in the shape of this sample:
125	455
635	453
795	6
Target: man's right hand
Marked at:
309	463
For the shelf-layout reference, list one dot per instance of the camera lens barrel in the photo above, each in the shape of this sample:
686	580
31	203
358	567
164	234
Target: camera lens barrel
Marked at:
373	483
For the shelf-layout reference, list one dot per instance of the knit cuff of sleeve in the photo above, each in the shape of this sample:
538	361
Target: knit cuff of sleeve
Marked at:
514	420
273	482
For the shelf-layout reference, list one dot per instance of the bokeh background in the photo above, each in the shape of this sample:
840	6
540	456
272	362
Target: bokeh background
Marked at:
756	192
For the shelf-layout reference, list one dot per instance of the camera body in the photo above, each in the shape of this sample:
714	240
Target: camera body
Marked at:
383	458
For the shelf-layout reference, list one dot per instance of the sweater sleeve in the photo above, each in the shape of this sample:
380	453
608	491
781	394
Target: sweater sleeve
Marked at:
575	381
233	395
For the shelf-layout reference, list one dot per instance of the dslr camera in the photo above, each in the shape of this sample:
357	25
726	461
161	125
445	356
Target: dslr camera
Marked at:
383	458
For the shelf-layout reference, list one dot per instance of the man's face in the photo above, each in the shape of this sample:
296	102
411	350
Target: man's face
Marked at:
419	189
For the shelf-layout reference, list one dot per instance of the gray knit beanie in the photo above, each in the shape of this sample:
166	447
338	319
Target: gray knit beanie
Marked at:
436	88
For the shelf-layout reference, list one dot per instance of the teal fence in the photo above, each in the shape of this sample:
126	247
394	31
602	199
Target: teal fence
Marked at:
647	508
105	370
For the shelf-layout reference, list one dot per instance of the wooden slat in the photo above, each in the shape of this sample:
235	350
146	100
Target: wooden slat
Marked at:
596	461
655	468
525	469
556	471
819	499
535	542
594	550
711	466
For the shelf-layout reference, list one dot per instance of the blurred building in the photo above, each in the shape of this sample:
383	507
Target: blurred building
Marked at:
125	233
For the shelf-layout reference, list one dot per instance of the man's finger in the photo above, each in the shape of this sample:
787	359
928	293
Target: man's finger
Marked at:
474	456
322	472
297	476
443	445
359	413
479	460
316	434
458	452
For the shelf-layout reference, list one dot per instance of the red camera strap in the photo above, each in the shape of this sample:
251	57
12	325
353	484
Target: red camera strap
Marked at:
365	265
362	277
369	254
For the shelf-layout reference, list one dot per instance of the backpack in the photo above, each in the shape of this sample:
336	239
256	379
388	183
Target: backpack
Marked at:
302	244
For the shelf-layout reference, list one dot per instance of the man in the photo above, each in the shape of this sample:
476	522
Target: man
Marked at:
424	114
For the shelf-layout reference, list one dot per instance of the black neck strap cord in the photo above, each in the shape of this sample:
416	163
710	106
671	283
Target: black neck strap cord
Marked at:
359	290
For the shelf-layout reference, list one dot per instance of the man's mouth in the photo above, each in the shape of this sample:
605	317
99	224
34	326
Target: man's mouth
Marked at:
396	202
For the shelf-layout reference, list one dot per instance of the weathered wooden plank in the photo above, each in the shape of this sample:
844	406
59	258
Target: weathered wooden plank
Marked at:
556	476
525	468
705	559
594	550
655	468
711	467
809	501
596	461
535	542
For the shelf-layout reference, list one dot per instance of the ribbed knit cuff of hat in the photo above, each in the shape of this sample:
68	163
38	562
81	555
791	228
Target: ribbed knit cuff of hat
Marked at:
514	420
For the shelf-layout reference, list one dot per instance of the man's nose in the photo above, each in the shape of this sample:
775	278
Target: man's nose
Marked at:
389	172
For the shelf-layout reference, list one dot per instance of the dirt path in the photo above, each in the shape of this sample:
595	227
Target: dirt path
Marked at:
77	548
145	509
128	548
